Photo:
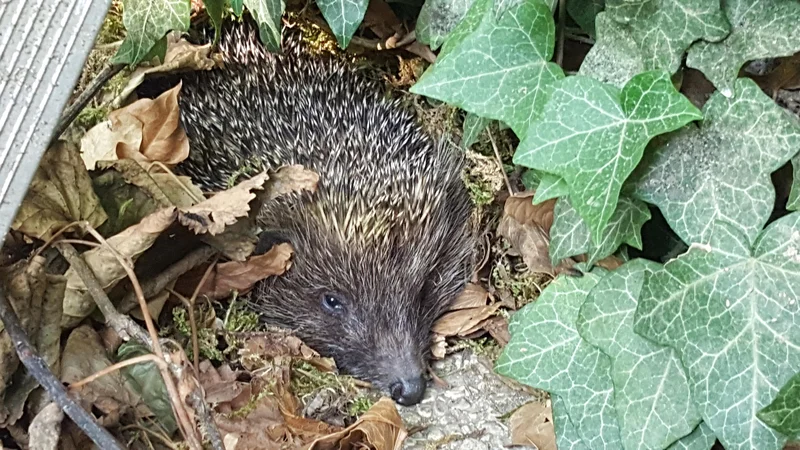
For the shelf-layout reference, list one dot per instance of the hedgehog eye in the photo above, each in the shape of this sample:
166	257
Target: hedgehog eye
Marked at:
332	304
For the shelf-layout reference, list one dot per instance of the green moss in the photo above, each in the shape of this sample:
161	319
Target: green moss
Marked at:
524	287
480	190
113	29
359	406
206	337
307	379
240	319
91	116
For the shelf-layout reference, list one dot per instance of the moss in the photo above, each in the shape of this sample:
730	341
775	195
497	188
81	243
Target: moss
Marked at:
206	337
91	116
359	406
113	29
239	319
307	379
524	287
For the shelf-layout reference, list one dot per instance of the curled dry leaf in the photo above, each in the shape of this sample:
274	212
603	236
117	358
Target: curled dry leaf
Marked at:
222	390
214	214
130	243
262	346
85	355
180	55
469	311
60	193
532	425
289	179
527	228
242	276
381	428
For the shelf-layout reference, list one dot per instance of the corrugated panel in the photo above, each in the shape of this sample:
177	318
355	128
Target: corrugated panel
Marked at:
43	47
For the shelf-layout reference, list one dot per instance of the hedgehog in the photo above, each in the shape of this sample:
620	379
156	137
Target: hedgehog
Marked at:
382	247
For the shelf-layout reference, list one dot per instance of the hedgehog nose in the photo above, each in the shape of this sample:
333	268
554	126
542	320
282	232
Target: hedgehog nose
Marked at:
408	392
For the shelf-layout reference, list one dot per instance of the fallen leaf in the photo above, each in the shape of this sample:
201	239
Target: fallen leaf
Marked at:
222	390
130	243
59	194
84	355
235	276
473	296
145	381
214	214
464	321
532	425
166	189
45	428
259	347
380	427
289	179
498	328
527	228
180	55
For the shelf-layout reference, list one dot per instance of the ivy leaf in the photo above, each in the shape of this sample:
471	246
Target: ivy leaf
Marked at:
496	68
625	10
438	18
567	437
593	135
267	14
550	187
721	169
660	32
614	58
702	438
547	352
793	204
344	17
760	29
238	7
652	395
584	12
569	235
783	414
732	314
473	127
530	179
215	8
146	22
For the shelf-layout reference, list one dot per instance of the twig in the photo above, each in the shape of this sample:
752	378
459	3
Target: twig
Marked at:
562	24
83	99
117	366
204	414
190	304
172	389
579	38
39	370
158	283
500	163
123	325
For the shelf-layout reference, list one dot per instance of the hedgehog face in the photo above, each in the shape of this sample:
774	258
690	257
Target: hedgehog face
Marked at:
369	308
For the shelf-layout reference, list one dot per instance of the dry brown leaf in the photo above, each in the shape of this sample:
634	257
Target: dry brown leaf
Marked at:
214	214
59	194
291	179
158	120
527	228
532	424
381	428
473	296
497	327
464	321
45	428
261	346
165	189
84	355
180	55
242	276
130	243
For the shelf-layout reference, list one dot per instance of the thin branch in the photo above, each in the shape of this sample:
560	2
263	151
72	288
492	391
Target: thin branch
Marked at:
500	163
117	366
562	25
41	372
206	419
83	99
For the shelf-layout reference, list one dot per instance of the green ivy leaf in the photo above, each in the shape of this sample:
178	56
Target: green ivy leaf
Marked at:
530	179
593	135
721	169
567	437
496	69
783	414
550	187
584	12
615	57
547	352
660	34
651	392
760	29
569	235
146	22
267	14
215	8
438	18
622	9
793	204
238	7
344	17
473	127
732	314
702	438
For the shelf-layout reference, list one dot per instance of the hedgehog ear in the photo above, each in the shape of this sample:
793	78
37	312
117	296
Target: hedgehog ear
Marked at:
269	238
